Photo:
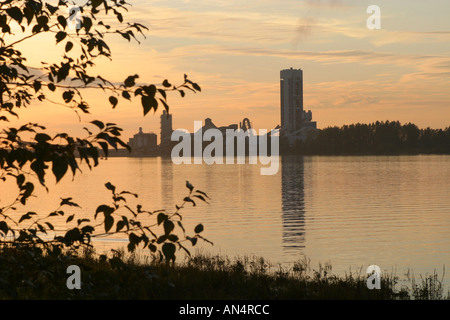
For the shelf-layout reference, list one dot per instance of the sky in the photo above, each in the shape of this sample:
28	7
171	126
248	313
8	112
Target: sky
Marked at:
235	50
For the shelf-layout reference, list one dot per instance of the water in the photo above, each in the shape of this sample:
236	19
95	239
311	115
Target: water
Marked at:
352	211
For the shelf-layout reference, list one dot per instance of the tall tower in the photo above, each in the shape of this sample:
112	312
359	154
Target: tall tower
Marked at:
166	128
291	92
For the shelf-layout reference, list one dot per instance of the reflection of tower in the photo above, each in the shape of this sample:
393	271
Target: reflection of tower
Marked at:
166	129
166	171
293	201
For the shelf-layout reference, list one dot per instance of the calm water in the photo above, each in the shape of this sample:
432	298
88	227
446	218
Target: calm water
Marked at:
392	211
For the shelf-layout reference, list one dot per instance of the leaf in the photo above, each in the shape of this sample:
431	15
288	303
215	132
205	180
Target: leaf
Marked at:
15	13
4	227
70	218
59	168
168	250
50	226
107	210
166	84
187	199
29	187
200	197
113	100
109	221
196	87
62	21
192	240
130	81
120	225
168	227
69	46
51	8
27	216
166	106
104	146
109	186
161	218
198	228
98	124
20	180
51	87
126	95
96	3
68	96
149	103
203	193
42	137
37	85
87	229
189	186
68	202
60	36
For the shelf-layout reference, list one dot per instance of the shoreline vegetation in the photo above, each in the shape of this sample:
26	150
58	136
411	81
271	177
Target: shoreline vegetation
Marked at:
376	138
31	274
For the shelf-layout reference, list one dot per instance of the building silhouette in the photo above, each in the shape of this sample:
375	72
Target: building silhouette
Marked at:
166	129
291	94
296	123
143	142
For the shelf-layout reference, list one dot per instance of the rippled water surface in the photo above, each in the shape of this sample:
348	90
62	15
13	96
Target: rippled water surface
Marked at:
392	211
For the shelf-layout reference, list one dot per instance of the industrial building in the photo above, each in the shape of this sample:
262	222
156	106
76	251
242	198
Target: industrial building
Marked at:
296	123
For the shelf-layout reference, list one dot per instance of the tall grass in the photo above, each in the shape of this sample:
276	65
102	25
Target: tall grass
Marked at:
31	274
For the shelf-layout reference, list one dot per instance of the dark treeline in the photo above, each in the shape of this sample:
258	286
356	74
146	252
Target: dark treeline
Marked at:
375	138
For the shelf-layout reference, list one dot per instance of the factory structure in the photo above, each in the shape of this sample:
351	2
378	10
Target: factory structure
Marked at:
296	122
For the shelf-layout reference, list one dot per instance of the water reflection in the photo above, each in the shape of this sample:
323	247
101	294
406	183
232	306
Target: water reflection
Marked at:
166	171
293	202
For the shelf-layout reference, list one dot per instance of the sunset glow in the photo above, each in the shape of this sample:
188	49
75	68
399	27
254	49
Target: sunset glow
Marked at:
235	51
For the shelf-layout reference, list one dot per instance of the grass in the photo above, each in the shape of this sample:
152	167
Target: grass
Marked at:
30	274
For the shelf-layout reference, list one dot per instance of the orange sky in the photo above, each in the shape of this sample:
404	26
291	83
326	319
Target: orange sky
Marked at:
235	52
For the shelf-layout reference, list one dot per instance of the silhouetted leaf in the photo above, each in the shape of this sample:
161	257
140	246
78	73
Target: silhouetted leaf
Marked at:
60	36
126	95
161	218
107	210
68	202
69	46
187	199
168	250
198	228
109	186
149	103
109	222
62	21
98	124
168	227
192	240
130	81
4	227
196	87
59	167
113	100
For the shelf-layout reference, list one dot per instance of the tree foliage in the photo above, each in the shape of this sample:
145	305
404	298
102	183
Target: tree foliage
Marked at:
381	137
30	151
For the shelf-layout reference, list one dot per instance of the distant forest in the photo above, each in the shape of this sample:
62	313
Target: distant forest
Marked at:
375	138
